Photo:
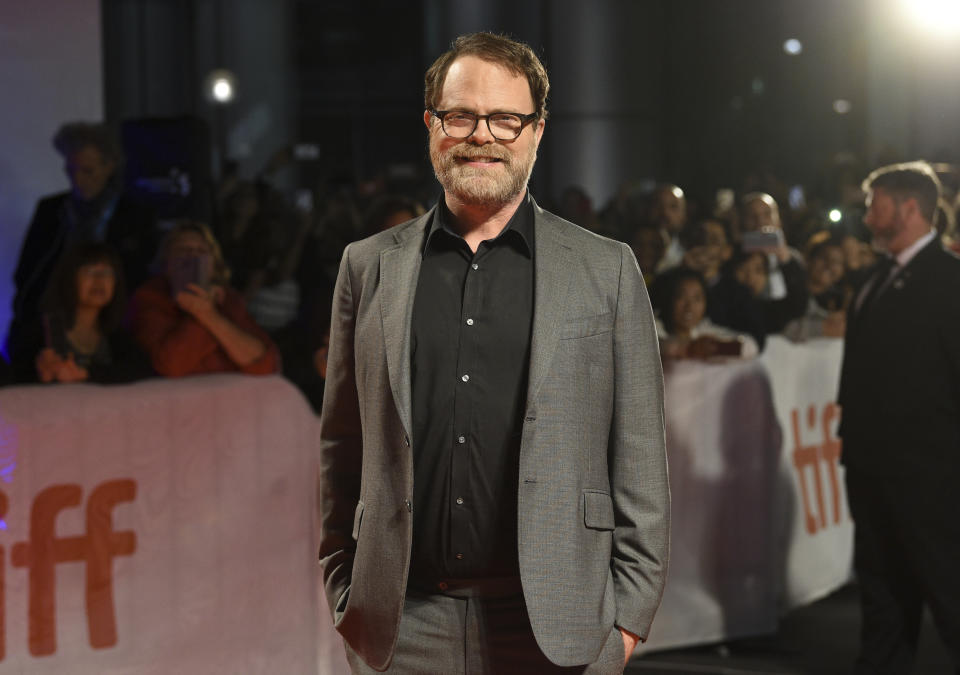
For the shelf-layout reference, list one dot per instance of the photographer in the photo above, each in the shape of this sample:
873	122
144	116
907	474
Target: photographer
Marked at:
189	320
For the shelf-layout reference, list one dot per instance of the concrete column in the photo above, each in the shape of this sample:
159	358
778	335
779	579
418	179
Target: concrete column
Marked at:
605	68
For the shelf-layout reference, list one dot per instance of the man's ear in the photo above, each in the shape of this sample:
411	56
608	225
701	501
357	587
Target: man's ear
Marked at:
538	133
427	118
908	209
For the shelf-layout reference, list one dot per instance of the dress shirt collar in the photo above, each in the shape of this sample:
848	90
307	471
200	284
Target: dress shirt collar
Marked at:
907	254
520	225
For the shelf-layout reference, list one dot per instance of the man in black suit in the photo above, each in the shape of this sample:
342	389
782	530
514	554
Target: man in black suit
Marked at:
900	394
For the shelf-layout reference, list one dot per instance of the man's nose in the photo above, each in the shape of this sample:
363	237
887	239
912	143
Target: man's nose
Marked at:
481	135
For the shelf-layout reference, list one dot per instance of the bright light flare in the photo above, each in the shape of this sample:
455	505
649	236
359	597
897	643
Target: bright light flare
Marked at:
221	86
938	17
835	216
222	90
793	47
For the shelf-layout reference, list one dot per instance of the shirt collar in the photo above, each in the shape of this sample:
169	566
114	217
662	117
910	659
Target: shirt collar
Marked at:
907	254
519	227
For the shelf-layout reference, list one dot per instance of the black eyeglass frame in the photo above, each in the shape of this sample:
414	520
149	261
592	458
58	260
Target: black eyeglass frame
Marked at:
524	121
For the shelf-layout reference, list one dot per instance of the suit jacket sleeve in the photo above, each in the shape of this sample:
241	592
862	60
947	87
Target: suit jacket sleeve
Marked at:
637	458
341	446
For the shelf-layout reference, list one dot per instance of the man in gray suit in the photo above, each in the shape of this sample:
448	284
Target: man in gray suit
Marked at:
493	475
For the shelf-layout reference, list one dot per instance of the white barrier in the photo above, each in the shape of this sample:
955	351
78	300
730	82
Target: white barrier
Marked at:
760	523
170	526
164	527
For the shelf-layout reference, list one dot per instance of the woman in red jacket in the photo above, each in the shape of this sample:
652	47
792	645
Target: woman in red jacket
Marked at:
189	320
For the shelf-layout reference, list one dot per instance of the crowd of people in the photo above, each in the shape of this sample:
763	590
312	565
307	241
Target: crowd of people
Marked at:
106	293
724	275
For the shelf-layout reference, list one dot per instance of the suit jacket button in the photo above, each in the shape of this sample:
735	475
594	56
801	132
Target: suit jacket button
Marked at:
406	502
406	440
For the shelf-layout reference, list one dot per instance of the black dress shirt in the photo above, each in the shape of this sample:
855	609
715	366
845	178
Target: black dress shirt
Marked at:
470	352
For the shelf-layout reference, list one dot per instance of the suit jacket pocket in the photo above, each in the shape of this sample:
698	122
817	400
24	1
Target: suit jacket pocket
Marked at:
357	517
585	326
597	510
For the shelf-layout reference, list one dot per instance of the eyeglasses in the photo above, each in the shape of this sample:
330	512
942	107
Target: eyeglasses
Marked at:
503	126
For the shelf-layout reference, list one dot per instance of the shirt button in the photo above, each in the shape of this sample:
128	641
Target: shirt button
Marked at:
475	266
459	501
465	378
459	556
462	439
469	322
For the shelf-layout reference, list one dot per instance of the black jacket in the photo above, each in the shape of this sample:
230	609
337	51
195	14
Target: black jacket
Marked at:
900	381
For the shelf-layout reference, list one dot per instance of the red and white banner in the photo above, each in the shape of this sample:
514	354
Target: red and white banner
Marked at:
760	522
164	527
170	526
816	526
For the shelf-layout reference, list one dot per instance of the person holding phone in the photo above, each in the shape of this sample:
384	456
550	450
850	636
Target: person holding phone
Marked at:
189	320
79	337
684	329
762	231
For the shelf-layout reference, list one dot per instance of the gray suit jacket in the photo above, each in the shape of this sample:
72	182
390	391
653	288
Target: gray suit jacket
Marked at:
593	505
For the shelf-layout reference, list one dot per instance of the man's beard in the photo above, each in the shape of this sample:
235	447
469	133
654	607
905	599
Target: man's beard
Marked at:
882	238
481	186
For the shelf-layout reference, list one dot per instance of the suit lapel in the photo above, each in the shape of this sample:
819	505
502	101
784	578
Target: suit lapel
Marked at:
902	280
399	271
551	283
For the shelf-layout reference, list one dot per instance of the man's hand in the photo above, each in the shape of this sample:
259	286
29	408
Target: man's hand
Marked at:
629	643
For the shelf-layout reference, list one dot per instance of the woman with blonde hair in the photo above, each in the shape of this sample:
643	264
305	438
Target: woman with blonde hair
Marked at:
189	320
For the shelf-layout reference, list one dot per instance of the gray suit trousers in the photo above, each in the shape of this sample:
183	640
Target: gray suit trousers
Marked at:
442	634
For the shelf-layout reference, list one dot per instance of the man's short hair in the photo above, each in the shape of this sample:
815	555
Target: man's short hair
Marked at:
764	197
74	136
907	180
660	188
516	57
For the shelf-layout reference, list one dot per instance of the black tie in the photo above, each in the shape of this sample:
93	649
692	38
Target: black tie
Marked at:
879	281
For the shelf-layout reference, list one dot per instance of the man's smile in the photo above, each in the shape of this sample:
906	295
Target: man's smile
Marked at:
480	159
